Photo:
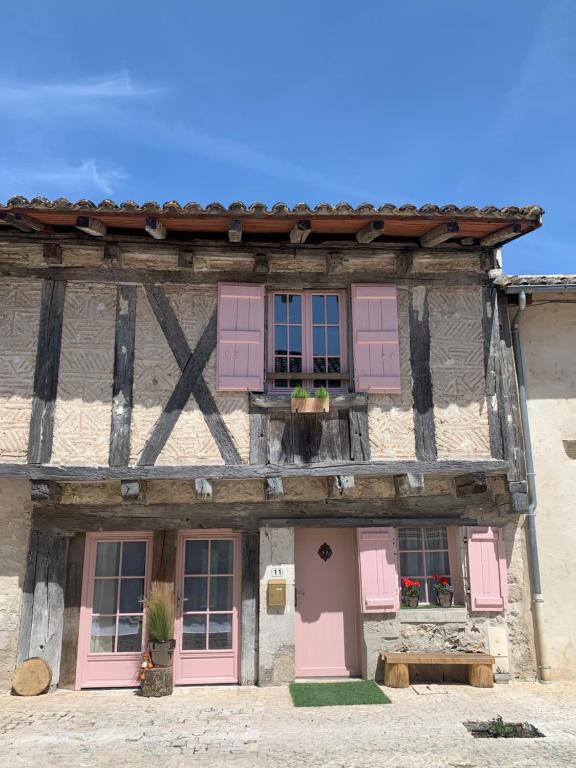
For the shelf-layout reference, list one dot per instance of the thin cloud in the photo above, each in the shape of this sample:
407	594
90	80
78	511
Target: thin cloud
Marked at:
64	179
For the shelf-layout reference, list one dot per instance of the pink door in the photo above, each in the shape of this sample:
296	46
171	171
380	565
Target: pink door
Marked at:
327	622
115	582
207	608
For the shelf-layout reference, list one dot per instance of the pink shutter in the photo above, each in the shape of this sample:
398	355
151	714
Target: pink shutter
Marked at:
487	569
375	338
378	570
240	337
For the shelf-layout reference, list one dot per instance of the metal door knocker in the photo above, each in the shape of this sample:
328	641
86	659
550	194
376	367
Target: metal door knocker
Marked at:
325	552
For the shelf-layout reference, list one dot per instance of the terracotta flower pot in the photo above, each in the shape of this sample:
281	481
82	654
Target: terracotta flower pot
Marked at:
161	653
411	601
444	599
310	404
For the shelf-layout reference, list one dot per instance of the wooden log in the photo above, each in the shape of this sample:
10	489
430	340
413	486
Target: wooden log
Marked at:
480	675
122	385
370	232
203	489
249	608
501	235
155	228
422	396
273	487
300	231
235	231
32	677
72	603
396	675
52	253
21	222
157	682
46	373
439	234
91	226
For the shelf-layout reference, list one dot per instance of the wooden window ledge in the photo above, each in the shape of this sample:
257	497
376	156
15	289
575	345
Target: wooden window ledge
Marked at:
458	614
282	402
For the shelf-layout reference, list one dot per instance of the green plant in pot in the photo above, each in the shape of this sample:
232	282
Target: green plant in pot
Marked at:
160	620
443	591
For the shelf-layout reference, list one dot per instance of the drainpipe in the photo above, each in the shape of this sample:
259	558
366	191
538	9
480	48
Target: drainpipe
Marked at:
533	560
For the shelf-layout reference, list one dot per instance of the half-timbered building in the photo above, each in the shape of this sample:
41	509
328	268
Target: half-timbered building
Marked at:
147	359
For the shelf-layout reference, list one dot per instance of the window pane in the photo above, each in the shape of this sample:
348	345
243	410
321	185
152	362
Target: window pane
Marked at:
280	364
131	595
222	557
318	341
333	365
410	538
437	563
221	593
333	334
318	315
411	564
220	632
436	538
281	383
319	365
134	558
332	309
129	634
196	556
105	595
295	364
280	308
280	340
194	633
107	558
195	593
295	309
102	636
295	339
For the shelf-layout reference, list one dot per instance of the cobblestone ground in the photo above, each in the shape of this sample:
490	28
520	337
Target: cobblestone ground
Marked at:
260	728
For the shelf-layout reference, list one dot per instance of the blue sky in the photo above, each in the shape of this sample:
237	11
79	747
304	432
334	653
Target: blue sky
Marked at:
442	101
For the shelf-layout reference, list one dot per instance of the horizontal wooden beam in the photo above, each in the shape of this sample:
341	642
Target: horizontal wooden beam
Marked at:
365	522
156	228
300	231
284	402
251	471
235	231
91	226
439	234
501	235
21	222
370	232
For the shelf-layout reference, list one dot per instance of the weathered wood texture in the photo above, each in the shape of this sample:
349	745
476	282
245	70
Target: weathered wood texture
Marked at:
422	396
493	371
191	382
258	418
32	677
43	606
358	432
284	402
296	438
46	372
72	603
249	608
157	682
164	563
123	376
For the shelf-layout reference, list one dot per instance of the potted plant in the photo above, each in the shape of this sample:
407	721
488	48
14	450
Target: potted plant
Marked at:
160	621
303	403
443	591
410	592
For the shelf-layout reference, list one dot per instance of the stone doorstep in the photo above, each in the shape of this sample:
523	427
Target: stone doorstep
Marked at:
433	615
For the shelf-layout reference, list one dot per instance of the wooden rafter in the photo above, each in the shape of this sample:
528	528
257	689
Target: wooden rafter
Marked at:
235	231
21	222
155	228
91	226
439	234
370	232
501	235
300	231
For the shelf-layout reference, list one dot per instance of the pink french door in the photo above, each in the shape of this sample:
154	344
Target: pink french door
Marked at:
112	633
327	616
207	597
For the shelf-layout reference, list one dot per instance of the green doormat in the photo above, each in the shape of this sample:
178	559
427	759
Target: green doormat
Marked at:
337	694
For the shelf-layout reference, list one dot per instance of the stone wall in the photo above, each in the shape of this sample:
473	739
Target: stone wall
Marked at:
15	514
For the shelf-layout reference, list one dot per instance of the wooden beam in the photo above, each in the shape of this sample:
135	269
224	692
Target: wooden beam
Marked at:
46	373
72	603
203	489
283	402
112	256
415	480
359	435
42	490
300	231
52	253
130	489
155	228
468	485
91	226
422	399
119	451
501	235
370	232
359	468
249	608
274	487
235	231
493	370
341	485
439	234
258	419
21	222
366	522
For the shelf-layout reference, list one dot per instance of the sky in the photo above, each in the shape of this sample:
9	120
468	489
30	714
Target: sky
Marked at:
417	101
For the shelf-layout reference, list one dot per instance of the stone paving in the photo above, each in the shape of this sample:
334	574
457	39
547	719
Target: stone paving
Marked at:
258	727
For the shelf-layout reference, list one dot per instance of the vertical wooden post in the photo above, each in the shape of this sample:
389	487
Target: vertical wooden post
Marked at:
249	608
123	376
422	398
164	563
72	603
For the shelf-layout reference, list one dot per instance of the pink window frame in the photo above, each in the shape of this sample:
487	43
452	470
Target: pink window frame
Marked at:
307	325
454	565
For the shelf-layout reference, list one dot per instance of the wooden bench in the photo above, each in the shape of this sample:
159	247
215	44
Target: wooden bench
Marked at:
396	666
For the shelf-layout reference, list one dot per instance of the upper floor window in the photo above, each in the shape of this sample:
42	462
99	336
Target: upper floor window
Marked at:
307	343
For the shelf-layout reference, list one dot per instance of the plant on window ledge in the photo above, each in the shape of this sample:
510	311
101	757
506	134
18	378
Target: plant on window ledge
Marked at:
303	403
443	591
410	592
